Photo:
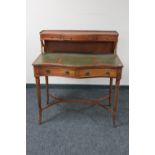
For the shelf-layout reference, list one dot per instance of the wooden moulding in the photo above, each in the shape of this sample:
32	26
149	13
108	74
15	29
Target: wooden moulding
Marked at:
77	35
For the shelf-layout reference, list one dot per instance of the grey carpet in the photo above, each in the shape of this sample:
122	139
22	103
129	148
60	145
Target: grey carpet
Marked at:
77	129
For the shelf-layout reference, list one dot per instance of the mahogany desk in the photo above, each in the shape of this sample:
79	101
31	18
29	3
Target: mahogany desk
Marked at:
78	54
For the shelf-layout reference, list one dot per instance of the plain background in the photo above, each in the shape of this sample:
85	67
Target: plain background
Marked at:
80	15
13	77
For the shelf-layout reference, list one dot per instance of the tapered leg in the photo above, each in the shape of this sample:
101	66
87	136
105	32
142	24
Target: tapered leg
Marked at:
38	91
115	102
47	90
110	91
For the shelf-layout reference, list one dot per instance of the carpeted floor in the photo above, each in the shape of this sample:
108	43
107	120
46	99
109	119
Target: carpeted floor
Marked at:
77	129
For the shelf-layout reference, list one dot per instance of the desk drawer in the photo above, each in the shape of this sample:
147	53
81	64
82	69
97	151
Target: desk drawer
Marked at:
97	73
57	72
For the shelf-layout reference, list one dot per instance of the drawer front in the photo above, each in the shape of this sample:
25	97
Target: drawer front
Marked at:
97	73
57	72
78	73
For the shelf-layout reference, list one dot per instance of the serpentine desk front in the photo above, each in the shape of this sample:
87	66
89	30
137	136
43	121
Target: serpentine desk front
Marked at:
78	54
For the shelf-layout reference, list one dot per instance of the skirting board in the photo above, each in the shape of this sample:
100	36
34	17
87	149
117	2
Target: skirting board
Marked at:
30	85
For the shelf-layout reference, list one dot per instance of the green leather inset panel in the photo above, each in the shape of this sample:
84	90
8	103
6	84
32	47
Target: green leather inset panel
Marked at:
77	59
47	58
74	59
109	59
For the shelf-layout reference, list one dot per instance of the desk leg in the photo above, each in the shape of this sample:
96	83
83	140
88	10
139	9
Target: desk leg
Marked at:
38	91
47	90
110	91
115	102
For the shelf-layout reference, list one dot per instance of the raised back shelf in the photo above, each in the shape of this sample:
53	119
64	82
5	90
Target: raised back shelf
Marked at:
66	41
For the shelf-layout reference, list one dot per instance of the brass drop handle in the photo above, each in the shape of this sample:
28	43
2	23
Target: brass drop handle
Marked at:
67	72
47	71
107	73
87	73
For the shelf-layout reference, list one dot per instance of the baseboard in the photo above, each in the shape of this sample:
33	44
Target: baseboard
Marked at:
30	85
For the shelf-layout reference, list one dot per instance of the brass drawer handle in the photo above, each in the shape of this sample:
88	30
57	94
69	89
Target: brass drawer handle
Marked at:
48	71
87	73
67	72
107	73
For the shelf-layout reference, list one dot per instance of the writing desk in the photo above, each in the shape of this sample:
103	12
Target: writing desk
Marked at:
78	54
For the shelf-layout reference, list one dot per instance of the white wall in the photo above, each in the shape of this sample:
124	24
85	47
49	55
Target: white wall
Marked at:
77	14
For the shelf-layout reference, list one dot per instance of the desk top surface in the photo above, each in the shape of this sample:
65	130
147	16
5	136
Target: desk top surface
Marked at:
77	60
